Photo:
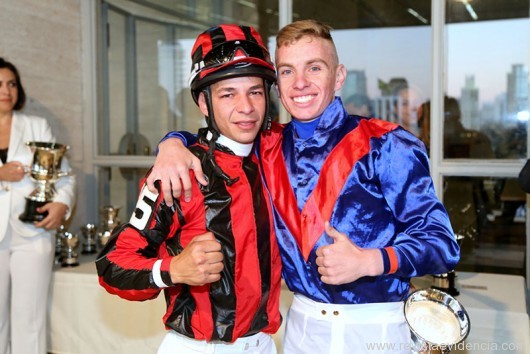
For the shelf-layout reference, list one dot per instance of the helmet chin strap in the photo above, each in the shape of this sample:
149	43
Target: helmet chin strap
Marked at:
267	121
215	133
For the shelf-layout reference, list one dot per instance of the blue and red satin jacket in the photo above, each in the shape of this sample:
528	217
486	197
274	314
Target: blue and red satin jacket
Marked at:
246	299
370	179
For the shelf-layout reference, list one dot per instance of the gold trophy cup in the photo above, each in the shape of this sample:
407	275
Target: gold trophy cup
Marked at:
44	171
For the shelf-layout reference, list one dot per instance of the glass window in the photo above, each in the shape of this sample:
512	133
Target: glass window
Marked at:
486	114
488	216
488	56
118	186
146	63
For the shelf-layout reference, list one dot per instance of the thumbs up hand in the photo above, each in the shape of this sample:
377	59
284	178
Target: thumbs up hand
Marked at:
344	262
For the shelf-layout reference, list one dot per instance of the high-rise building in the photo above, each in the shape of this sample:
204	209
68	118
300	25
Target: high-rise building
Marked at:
517	91
469	104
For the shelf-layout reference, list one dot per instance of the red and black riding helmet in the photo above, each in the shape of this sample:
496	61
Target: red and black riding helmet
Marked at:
228	51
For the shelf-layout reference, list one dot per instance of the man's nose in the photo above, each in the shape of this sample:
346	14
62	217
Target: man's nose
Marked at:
245	105
301	81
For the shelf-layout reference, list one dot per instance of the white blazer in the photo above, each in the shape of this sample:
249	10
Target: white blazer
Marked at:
26	128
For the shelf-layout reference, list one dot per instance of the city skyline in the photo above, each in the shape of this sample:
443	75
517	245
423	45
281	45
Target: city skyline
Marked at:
388	53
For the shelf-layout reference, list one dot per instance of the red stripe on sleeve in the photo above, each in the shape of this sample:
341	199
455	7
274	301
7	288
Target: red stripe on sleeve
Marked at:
394	262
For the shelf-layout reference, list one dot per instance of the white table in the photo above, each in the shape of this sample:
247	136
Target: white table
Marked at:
85	319
496	305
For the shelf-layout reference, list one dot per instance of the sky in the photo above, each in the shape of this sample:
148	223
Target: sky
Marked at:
490	49
387	53
485	49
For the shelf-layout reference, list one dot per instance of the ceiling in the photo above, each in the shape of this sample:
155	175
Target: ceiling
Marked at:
343	14
339	14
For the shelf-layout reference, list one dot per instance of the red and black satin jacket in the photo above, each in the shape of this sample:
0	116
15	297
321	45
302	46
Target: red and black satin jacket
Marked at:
245	300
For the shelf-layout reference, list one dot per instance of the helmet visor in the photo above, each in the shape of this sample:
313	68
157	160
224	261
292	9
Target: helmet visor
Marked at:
235	50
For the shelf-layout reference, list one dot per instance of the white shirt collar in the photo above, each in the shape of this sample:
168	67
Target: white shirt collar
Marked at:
237	148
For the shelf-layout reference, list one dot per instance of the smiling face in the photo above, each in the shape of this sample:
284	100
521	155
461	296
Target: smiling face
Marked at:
308	76
239	107
8	91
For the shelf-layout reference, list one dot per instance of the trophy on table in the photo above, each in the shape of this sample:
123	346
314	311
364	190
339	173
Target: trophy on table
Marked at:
44	171
109	220
59	235
437	321
70	242
446	282
89	239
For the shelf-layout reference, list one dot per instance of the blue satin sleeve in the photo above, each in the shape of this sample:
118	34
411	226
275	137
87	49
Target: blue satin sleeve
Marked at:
187	138
424	241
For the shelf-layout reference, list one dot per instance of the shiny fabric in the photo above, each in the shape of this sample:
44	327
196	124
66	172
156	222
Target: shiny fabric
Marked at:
388	200
246	299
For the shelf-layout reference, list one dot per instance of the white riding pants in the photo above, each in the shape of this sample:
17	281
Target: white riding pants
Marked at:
318	328
175	343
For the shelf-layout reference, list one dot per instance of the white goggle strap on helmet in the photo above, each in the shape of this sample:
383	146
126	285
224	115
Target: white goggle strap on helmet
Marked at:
195	71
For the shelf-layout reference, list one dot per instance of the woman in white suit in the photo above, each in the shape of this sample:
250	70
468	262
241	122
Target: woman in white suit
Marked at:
26	249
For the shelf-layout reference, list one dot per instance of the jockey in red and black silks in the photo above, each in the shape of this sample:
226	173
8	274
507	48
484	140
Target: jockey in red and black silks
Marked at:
246	299
234	206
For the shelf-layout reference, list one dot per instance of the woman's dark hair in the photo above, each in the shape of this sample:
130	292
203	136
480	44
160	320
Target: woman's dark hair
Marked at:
21	100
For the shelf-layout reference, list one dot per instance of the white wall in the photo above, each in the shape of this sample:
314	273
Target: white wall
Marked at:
44	40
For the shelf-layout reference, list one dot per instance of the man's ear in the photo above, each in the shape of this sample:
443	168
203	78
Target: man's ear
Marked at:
340	77
202	104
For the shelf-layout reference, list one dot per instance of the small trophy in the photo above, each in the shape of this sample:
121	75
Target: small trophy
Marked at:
446	282
44	171
59	235
89	239
70	242
109	220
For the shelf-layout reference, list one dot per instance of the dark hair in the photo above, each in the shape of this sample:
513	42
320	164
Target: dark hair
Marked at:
21	100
